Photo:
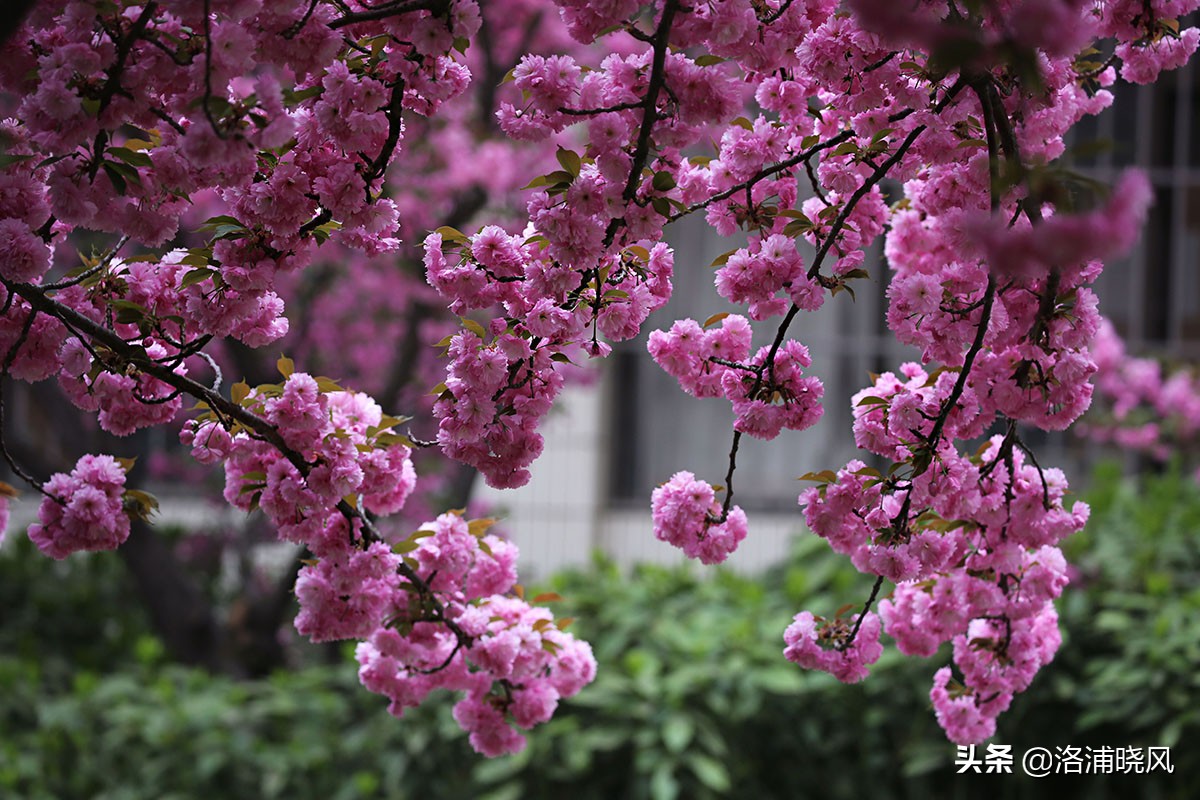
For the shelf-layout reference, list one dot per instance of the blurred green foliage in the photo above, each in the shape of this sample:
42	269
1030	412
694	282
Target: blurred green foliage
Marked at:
693	698
67	616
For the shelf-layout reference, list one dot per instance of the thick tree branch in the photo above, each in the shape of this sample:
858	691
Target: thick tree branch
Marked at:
390	10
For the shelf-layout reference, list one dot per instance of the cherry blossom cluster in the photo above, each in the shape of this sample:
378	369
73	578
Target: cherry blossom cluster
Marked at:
844	648
337	444
1143	405
83	510
687	516
767	391
980	557
132	113
511	659
755	278
208	87
501	380
428	608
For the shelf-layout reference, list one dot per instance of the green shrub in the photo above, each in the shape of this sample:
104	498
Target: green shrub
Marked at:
68	615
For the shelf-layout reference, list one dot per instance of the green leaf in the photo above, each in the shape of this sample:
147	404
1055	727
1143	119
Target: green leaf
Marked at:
560	178
139	504
329	385
229	232
114	175
722	259
192	277
387	421
663	181
677	733
389	439
322	232
570	161
474	327
221	219
131	157
663	784
8	159
285	366
479	527
197	257
798	227
239	392
450	234
128	312
712	773
638	252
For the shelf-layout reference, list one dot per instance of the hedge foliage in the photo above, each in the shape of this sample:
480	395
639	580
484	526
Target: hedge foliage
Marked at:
693	700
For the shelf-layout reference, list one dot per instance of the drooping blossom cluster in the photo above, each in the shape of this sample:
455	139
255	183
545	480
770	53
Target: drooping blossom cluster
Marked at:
687	516
502	379
337	444
972	539
842	647
1143	405
426	607
511	659
767	391
83	510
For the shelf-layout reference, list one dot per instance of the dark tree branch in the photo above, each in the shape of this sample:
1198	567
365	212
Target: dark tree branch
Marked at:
849	640
390	10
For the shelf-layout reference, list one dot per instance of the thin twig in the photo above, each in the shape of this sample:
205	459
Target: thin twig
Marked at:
849	640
